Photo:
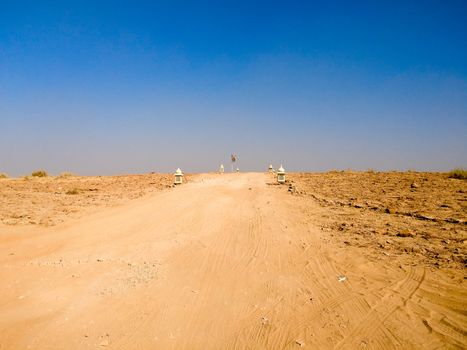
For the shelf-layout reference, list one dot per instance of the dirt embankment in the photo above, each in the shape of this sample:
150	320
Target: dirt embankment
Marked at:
421	217
51	200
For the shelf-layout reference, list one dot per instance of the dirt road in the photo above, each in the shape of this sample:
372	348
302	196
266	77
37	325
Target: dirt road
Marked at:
224	262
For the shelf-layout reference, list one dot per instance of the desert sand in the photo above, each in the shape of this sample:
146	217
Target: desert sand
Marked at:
234	261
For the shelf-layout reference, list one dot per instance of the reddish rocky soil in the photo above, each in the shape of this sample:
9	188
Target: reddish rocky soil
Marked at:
420	217
49	201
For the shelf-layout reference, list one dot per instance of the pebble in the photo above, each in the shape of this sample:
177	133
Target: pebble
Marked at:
390	210
300	343
405	233
105	342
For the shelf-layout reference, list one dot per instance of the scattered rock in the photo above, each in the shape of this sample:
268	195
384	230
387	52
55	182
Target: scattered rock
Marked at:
445	257
390	210
300	343
424	217
405	233
341	278
414	185
453	221
425	323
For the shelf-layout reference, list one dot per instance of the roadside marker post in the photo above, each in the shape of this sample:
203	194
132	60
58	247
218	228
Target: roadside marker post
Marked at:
178	177
281	175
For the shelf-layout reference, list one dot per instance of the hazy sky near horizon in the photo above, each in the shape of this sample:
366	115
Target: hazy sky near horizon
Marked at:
106	87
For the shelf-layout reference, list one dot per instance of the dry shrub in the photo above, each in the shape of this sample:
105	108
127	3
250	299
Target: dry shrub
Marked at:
64	175
73	191
458	174
39	173
3	176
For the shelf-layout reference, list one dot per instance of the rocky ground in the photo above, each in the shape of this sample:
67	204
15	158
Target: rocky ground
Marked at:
51	200
421	217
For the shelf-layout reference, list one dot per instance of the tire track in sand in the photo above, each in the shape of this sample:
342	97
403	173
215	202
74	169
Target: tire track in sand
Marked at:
368	328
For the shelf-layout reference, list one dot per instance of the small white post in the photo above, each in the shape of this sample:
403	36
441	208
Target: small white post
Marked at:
178	177
281	175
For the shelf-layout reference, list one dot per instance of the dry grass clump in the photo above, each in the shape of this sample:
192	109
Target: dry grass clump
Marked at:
73	191
3	176
458	174
65	175
39	173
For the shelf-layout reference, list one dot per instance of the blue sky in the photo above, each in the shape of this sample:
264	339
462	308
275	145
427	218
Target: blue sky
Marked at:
108	87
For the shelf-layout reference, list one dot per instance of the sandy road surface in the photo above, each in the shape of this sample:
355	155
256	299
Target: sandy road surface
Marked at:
228	262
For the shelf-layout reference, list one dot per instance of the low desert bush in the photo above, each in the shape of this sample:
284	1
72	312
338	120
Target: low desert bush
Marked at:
73	191
3	176
458	174
39	173
65	175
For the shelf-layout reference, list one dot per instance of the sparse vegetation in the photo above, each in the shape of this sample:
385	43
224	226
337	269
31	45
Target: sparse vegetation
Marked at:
458	174
3	176
73	191
39	173
48	201
65	175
